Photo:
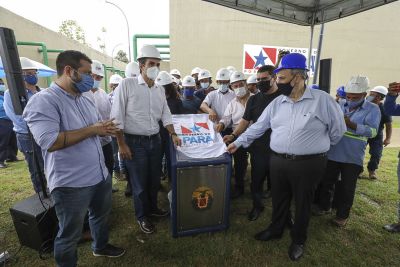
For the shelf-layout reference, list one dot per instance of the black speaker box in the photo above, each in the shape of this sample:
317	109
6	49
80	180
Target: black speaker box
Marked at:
35	222
325	66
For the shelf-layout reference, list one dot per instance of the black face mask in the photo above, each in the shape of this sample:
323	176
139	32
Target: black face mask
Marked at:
286	88
264	86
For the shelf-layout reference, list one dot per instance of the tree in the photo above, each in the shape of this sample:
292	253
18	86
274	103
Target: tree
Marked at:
102	40
72	30
121	56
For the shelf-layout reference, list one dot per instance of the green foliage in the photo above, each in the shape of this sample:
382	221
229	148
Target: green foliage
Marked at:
72	30
122	56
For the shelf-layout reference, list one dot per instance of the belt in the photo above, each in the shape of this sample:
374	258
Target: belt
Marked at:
300	157
145	137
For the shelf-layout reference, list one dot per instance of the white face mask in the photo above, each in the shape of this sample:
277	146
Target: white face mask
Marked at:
204	85
152	73
223	88
96	84
241	91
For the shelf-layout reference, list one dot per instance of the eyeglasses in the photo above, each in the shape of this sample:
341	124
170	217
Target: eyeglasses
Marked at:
263	79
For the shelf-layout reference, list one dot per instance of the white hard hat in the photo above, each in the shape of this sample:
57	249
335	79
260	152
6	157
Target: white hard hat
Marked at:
115	79
196	70
188	81
27	64
203	74
222	75
357	84
175	80
231	68
163	78
237	76
175	72
252	79
97	68
149	51
380	89
132	70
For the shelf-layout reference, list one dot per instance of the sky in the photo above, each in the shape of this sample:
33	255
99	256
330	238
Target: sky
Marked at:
144	16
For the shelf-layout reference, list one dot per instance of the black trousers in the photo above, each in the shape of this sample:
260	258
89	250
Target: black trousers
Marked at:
12	147
260	162
6	130
109	157
240	158
343	190
294	179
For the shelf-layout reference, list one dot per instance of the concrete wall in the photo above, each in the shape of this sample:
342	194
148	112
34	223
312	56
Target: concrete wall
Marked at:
211	36
26	30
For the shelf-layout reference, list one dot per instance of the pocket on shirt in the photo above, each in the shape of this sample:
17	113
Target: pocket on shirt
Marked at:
310	121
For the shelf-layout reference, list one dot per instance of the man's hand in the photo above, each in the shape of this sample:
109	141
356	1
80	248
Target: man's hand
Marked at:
125	151
212	116
105	128
177	141
386	142
232	148
228	138
220	127
347	121
394	88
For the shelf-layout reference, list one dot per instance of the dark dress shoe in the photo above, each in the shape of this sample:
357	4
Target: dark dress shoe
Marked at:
255	213
114	190
296	251
266	235
393	228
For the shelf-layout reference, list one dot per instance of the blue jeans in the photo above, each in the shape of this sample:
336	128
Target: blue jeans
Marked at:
375	150
27	146
144	172
71	205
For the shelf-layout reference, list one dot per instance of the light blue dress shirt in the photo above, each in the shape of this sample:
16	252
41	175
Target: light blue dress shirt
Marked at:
309	126
53	111
18	122
351	148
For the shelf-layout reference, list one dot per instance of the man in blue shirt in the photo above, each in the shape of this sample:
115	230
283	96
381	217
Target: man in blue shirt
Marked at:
393	109
304	124
67	127
345	159
25	143
190	102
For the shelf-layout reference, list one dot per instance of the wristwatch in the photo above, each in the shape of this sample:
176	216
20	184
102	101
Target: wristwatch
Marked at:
234	135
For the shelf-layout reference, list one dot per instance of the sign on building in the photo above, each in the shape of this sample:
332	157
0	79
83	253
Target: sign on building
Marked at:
255	56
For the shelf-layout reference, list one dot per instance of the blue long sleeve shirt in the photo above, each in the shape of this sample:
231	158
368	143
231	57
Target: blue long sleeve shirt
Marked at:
390	106
3	114
351	148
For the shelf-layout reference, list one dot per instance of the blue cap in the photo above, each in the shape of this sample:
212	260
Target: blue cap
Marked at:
292	61
314	86
340	92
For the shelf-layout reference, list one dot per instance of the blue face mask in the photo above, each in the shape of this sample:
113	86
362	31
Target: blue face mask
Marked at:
96	84
2	87
85	84
32	79
188	92
370	98
354	104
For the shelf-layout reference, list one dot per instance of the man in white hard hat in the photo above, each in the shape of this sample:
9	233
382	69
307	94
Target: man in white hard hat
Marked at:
231	69
191	103
139	105
232	115
393	109
26	145
304	124
132	70
205	84
195	74
376	144
216	102
176	73
346	157
259	150
252	84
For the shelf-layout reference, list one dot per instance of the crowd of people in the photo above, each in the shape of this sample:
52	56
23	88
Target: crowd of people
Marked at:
305	145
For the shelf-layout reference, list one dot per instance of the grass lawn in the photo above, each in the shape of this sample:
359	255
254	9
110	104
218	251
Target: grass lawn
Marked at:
362	242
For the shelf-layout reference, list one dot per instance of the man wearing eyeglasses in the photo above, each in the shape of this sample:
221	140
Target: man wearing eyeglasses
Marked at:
25	143
259	149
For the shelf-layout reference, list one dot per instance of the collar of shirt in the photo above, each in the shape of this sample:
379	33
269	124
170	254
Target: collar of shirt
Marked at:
306	95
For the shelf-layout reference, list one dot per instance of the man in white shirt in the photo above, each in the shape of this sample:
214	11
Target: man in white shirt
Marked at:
139	105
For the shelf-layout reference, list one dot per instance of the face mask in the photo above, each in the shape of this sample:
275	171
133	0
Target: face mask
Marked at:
354	104
204	85
31	79
342	101
85	84
286	88
96	84
223	88
188	92
241	91
152	73
2	87
370	98
264	86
